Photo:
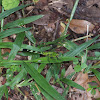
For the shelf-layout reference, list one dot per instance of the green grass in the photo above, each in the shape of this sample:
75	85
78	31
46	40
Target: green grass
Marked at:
35	65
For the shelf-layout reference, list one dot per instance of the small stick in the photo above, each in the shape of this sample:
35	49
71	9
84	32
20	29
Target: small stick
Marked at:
87	32
83	37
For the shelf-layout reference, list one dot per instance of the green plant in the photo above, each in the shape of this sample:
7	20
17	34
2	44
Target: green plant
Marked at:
9	4
93	88
36	64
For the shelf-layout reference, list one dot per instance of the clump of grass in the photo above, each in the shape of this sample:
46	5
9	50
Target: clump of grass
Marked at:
35	65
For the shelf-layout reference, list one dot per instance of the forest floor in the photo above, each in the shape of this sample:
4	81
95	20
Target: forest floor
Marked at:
49	28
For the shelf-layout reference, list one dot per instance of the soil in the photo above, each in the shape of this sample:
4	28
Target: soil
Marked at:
48	28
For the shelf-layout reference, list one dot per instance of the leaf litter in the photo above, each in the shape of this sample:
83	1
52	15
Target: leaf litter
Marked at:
45	27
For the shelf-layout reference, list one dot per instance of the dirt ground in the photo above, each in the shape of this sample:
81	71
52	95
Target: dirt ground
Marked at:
50	28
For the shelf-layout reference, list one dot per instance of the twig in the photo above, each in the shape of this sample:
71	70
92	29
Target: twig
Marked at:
87	32
56	30
82	37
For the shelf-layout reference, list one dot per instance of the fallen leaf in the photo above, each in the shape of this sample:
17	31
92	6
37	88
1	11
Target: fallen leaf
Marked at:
83	80
69	70
62	27
61	6
1	79
92	2
80	26
60	90
29	8
49	17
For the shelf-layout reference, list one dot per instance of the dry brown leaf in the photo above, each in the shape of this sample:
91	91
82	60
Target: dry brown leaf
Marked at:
91	2
83	80
29	8
62	27
80	26
1	79
60	3
69	70
60	90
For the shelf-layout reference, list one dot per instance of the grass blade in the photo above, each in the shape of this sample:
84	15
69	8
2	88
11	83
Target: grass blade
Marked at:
71	17
95	46
22	21
41	67
70	45
97	73
54	59
93	58
24	46
3	90
47	96
16	46
80	48
96	66
6	45
8	12
72	83
30	36
16	79
42	82
8	63
28	47
12	31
